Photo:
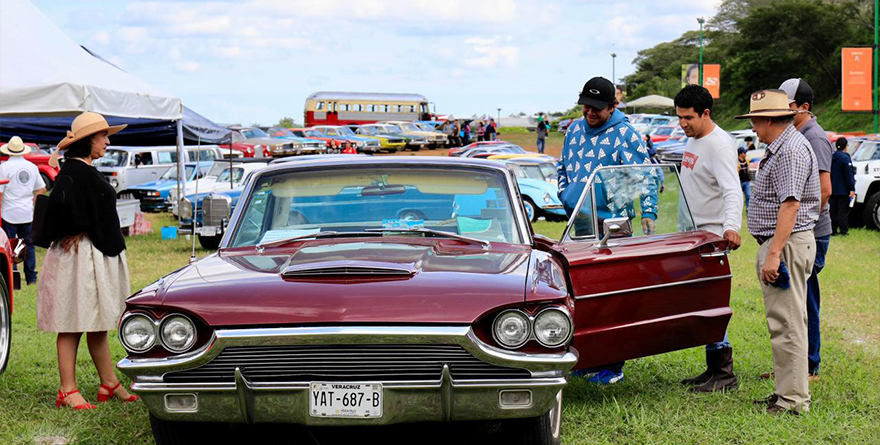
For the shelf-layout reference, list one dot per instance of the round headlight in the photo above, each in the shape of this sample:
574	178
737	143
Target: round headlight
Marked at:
552	327
511	329
178	333
114	183
185	208
138	333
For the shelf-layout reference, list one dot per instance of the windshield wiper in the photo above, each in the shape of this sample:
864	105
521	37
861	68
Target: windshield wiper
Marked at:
486	245
260	247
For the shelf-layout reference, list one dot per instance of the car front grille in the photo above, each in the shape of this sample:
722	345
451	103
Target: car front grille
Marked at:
215	209
306	363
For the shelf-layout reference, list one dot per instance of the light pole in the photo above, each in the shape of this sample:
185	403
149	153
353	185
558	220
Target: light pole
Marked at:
613	72
701	21
499	117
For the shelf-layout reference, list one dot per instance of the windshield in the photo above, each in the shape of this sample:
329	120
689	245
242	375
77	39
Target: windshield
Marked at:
368	130
426	127
345	131
867	152
464	201
409	126
662	131
237	174
172	172
549	170
251	133
533	171
217	168
112	158
280	132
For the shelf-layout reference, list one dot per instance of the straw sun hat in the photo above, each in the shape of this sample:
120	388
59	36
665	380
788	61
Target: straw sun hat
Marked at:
15	147
768	103
85	125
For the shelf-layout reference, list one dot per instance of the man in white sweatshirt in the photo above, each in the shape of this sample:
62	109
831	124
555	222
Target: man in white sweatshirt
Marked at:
711	185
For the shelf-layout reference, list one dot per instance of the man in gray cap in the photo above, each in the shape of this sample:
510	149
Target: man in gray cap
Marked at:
801	97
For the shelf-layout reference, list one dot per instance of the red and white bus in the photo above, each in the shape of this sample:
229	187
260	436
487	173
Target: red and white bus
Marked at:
338	108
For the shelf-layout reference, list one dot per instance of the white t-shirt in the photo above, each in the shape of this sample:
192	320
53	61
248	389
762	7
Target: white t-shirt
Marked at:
711	184
18	195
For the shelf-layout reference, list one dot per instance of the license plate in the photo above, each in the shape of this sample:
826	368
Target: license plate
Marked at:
349	400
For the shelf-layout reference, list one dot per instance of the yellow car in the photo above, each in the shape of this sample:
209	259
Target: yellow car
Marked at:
388	141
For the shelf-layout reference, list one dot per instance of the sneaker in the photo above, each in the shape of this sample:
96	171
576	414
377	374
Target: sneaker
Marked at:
606	377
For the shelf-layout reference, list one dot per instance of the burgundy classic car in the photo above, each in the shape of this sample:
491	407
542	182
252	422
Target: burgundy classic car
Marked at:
369	291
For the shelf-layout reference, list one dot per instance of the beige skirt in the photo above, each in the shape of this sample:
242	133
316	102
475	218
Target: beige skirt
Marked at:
81	291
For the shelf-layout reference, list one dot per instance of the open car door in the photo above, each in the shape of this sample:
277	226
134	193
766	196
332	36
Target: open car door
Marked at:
640	294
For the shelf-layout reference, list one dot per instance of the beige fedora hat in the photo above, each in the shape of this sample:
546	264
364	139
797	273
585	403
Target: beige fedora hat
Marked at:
15	147
85	125
768	103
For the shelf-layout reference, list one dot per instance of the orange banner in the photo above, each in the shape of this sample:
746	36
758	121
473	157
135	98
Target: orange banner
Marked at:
712	79
856	85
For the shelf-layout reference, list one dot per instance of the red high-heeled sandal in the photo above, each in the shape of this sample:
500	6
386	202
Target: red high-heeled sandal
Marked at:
59	402
106	397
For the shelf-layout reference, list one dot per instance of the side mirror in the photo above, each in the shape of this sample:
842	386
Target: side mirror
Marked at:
615	228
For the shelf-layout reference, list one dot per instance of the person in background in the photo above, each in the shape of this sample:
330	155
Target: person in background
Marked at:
750	144
85	278
710	182
742	168
491	130
481	131
542	133
843	188
783	211
465	133
800	96
18	198
603	136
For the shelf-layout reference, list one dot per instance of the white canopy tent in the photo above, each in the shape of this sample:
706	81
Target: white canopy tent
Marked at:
651	101
43	71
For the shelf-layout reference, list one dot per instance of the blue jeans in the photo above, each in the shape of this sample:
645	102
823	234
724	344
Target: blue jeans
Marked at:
540	146
23	231
813	299
746	187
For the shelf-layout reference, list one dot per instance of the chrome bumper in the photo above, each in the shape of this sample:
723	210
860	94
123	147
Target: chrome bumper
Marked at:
444	399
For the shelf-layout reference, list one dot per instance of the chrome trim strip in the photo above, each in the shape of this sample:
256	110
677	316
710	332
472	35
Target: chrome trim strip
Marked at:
464	336
655	286
254	387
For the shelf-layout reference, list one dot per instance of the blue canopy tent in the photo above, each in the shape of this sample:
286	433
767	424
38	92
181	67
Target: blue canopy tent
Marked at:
145	132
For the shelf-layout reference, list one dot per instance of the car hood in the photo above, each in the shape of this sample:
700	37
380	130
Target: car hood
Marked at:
158	185
538	185
433	281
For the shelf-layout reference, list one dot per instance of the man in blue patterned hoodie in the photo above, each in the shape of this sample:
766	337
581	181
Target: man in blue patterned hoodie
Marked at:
603	137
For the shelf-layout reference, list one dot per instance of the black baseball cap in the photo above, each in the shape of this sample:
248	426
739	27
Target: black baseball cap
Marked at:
598	93
798	91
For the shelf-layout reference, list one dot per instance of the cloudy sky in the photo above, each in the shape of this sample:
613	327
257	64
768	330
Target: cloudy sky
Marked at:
255	61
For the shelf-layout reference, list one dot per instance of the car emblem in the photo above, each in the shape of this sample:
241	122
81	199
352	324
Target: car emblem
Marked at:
594	91
758	96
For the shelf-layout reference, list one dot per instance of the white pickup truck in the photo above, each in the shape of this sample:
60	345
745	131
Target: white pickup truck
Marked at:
866	162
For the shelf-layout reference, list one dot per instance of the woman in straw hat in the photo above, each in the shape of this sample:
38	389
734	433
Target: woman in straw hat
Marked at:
85	276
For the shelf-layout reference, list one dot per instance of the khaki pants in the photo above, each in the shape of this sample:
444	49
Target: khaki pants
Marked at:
786	312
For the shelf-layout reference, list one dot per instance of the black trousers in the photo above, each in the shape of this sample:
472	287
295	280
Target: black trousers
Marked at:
839	213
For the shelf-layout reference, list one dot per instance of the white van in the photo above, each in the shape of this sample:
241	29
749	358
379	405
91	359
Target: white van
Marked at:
126	167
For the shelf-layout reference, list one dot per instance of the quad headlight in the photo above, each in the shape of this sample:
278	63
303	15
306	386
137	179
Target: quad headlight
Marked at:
178	333
138	333
552	327
512	329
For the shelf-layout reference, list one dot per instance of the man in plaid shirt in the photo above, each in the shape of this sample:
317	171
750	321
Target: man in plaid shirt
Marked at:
782	213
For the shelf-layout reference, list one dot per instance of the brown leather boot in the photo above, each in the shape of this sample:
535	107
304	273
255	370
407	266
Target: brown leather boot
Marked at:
721	362
702	378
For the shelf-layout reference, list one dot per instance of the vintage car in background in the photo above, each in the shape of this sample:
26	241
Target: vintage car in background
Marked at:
363	144
383	290
866	164
536	178
435	138
457	151
302	145
12	251
413	142
485	151
332	145
390	143
154	195
254	141
666	132
222	176
126	167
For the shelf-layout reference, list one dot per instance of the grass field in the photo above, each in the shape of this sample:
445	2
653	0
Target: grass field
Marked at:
649	407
